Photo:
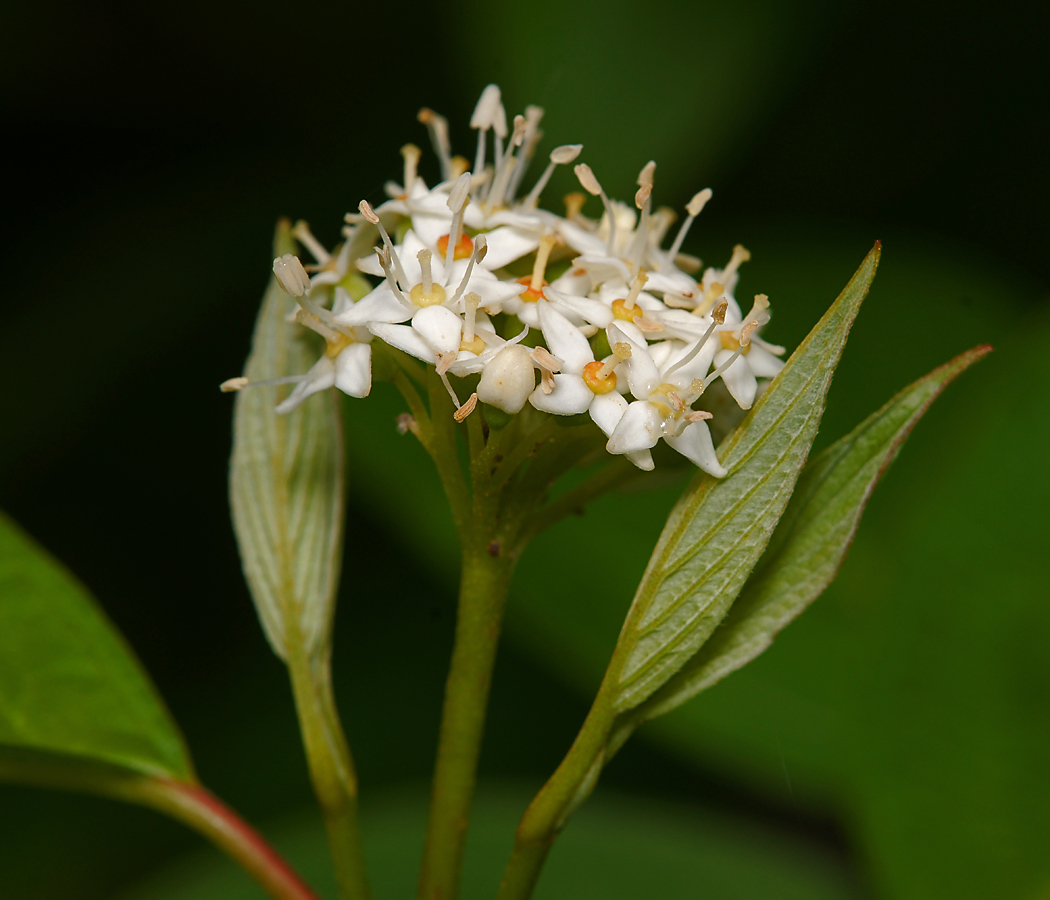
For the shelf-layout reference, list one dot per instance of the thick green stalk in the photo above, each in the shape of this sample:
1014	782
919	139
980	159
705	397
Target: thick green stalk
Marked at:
331	767
483	590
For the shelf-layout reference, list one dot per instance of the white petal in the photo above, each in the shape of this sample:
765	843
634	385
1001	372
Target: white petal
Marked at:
441	328
564	339
370	265
405	337
320	377
593	311
353	370
675	281
507	244
639	429
430	227
642	374
607	410
740	380
569	397
581	240
763	363
643	459
695	445
379	306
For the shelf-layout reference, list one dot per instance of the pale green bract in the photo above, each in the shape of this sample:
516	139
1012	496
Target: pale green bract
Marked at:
286	481
719	529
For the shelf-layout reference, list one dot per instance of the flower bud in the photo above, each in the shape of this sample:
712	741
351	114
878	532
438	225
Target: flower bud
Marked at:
508	379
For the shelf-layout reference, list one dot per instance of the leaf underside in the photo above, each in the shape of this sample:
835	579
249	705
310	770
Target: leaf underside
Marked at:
811	541
719	529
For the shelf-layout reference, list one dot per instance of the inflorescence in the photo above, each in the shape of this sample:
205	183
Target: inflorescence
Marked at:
469	270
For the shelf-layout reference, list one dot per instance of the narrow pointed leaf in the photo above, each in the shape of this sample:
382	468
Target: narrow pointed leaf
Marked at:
70	688
286	479
719	529
811	541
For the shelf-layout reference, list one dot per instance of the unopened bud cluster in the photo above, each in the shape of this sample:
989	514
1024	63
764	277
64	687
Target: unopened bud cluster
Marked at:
567	313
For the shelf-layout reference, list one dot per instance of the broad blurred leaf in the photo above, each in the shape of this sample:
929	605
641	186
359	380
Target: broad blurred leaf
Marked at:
286	479
718	530
811	541
619	848
69	686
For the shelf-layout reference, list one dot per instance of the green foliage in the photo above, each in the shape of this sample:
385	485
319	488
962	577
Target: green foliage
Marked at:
286	481
619	848
719	528
810	542
70	688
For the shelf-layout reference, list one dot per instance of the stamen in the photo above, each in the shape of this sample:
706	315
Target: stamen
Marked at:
740	255
532	138
291	275
310	319
438	128
621	351
467	408
698	415
732	359
457	167
384	262
714	292
457	199
560	156
482	119
636	288
236	384
405	423
501	179
370	214
451	357
427	278
302	233
472	301
691	355
539	268
548	365
693	207
481	247
594	188
573	204
411	154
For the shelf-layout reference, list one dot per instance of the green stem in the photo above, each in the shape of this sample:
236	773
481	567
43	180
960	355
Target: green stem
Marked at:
483	590
331	767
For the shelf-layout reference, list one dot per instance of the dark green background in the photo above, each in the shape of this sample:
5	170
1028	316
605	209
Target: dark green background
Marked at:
900	731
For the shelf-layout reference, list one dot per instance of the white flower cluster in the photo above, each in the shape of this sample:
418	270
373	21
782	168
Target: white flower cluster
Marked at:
629	335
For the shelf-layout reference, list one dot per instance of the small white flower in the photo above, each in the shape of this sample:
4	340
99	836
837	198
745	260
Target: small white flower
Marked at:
662	408
582	384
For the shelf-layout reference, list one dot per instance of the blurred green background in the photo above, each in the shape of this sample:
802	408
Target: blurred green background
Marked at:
894	743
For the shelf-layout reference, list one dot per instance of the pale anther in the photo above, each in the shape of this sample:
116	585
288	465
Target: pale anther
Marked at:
291	275
233	384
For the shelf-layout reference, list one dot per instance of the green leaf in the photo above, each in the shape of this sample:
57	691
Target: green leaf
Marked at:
70	688
809	545
719	529
286	480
